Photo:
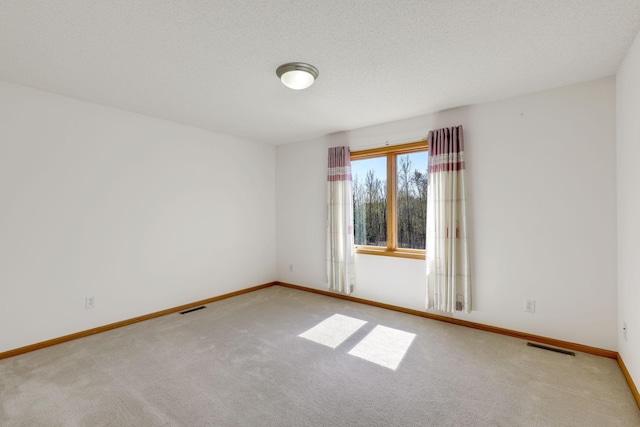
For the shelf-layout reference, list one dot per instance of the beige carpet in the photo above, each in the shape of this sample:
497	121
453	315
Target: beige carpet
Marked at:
242	362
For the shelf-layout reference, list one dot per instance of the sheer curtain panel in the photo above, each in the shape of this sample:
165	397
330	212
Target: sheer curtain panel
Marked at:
340	240
448	283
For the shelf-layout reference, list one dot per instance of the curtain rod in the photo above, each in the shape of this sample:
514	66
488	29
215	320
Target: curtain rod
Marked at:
388	143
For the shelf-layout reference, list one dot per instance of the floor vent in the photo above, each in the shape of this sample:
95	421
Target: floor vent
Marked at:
193	309
557	350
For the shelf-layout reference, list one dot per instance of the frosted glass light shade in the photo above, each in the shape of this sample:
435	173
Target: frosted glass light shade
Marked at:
297	75
297	79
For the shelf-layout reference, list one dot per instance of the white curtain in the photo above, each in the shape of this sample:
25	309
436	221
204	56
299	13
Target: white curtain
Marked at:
448	283
340	243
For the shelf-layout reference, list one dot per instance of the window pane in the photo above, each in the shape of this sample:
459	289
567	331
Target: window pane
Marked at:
370	201
412	199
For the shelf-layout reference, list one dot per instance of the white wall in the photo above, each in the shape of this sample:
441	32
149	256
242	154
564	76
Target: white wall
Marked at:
542	205
142	214
628	149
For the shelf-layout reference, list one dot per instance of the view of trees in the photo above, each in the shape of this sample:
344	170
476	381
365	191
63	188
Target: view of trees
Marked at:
370	206
412	205
370	210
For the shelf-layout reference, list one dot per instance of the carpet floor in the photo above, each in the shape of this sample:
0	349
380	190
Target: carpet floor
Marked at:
242	362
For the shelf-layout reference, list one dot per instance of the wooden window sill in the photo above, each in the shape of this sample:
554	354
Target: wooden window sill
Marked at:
407	253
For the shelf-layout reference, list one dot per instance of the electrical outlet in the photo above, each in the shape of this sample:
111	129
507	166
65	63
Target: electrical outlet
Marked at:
530	305
291	268
89	302
624	330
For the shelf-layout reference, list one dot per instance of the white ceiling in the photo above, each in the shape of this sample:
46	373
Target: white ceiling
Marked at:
211	63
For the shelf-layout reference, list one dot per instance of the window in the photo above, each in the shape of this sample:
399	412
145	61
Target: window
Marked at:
390	200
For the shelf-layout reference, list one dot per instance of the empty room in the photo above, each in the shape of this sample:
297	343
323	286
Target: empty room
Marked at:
296	213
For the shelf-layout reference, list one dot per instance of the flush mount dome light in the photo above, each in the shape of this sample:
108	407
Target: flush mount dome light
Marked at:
297	75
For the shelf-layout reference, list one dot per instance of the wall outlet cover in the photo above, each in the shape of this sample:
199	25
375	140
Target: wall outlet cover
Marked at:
530	305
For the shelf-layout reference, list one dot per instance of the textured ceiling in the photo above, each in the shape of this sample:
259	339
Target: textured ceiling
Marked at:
211	63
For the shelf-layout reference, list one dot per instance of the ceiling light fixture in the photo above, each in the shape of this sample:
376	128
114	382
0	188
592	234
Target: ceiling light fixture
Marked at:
297	75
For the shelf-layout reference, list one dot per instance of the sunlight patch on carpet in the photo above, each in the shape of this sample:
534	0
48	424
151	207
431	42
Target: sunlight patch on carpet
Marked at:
384	346
333	330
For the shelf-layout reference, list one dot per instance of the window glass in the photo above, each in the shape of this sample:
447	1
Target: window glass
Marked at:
411	199
370	201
